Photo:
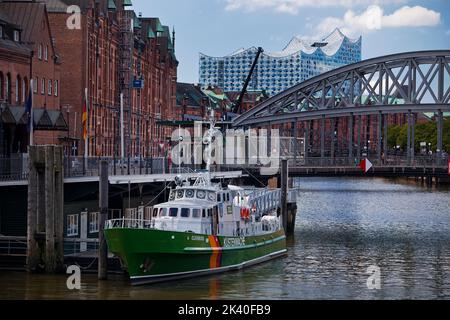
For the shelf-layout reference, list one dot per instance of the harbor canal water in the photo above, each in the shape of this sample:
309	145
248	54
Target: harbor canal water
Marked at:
344	226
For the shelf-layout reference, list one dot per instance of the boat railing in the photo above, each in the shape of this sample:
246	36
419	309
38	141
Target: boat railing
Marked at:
265	201
129	224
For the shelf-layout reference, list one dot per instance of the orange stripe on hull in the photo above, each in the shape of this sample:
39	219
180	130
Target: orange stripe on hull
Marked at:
215	260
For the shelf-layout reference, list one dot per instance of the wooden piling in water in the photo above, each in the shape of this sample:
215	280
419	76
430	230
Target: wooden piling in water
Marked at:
284	192
32	226
103	216
45	208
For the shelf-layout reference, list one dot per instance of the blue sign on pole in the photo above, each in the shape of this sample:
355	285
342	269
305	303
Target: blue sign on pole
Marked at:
138	84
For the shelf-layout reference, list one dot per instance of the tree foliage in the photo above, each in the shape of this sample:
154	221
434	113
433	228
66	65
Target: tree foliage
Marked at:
424	132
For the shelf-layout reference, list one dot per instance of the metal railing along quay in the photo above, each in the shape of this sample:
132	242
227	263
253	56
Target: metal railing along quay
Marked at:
15	168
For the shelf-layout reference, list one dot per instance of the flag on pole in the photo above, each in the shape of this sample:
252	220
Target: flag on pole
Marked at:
84	119
366	165
29	112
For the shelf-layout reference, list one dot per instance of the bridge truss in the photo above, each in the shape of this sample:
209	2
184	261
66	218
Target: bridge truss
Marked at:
350	109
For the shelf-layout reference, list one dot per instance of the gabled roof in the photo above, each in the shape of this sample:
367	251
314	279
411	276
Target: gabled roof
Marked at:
55	6
190	92
29	16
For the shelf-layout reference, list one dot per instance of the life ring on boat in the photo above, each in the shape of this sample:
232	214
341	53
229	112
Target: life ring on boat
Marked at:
245	213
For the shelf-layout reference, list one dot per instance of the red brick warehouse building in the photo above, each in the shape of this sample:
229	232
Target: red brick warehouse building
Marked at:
27	52
114	51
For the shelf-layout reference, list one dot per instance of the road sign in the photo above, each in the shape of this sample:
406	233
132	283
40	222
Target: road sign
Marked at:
366	165
138	84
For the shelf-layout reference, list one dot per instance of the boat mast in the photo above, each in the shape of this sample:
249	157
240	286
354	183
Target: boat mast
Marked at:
209	140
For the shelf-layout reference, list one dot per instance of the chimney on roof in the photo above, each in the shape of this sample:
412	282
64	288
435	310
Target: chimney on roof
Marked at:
173	38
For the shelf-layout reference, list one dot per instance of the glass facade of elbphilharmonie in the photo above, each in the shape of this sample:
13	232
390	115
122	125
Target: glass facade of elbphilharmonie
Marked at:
278	71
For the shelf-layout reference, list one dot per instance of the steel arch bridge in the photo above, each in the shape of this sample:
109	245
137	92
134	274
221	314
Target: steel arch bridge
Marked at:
407	84
400	83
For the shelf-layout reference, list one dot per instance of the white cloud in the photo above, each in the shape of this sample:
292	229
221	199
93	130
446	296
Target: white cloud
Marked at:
293	6
374	18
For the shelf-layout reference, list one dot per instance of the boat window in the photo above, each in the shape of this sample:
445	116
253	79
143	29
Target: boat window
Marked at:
190	194
196	213
163	212
210	212
180	194
204	213
173	212
185	213
219	197
201	194
155	212
228	197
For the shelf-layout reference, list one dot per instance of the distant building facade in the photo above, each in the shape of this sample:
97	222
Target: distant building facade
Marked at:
278	71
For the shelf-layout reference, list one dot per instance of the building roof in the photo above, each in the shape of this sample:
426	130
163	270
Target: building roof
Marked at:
56	6
329	45
192	93
29	16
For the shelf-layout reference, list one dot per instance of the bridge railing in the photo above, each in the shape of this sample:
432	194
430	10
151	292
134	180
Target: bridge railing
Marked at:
386	162
16	168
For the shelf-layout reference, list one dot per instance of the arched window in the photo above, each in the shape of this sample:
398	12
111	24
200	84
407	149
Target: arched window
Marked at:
24	89
18	89
2	86
8	88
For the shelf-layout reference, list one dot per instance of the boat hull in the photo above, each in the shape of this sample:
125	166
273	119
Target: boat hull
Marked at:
155	256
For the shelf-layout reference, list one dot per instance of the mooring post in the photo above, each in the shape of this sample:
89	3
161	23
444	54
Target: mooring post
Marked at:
284	192
49	176
103	216
32	246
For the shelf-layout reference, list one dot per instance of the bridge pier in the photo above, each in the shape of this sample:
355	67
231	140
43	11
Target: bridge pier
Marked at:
360	123
440	128
379	136
350	140
322	138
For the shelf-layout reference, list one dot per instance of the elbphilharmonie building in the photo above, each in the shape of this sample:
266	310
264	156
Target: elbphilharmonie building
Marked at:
278	71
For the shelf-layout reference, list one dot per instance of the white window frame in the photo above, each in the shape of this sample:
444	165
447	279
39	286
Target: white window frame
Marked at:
50	86
56	88
16	35
93	222
24	93
17	93
36	85
43	86
73	225
40	51
46	53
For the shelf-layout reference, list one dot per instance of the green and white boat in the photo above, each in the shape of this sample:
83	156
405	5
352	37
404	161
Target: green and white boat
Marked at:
203	229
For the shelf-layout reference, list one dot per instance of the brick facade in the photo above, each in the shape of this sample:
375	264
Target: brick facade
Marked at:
27	52
90	59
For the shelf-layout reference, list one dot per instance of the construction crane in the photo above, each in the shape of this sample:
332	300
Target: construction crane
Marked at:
237	106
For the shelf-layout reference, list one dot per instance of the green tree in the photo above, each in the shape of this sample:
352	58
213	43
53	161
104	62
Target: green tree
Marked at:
424	132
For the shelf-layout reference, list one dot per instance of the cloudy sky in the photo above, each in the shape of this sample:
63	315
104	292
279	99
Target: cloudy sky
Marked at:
219	27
